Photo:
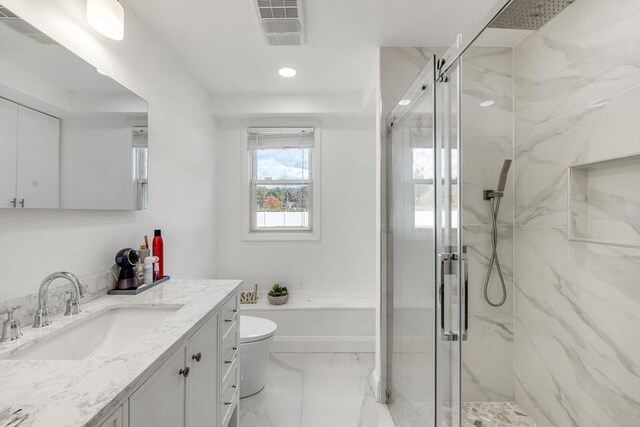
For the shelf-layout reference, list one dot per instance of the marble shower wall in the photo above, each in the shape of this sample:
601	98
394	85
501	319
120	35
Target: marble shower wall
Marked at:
487	136
577	305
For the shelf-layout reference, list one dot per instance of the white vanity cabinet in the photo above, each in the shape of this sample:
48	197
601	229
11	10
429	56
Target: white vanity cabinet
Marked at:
203	356
29	157
192	388
160	401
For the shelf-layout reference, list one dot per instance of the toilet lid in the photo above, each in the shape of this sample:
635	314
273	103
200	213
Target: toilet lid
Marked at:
255	328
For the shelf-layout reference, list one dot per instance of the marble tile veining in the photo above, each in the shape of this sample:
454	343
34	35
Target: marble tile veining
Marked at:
587	53
543	154
488	75
316	390
588	294
560	385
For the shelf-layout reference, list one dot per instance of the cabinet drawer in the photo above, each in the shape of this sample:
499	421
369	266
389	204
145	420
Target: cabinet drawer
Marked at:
229	352
230	393
229	316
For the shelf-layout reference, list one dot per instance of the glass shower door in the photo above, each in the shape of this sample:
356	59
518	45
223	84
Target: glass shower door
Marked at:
411	254
426	266
451	275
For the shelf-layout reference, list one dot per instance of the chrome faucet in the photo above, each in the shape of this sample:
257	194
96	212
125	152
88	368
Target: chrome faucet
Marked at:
43	315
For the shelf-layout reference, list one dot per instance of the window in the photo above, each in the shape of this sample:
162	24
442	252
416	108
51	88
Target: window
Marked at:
283	171
140	145
419	175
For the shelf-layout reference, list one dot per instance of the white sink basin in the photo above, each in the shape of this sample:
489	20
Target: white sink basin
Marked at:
105	334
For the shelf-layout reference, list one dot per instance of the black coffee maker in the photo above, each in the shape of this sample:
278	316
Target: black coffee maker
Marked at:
127	259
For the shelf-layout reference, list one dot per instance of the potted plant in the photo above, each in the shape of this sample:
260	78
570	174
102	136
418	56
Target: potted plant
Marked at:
278	295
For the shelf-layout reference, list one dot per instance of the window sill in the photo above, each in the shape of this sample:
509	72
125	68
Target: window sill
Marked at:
281	236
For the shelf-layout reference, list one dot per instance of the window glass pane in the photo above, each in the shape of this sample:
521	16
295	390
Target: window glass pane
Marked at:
285	206
422	163
423	205
282	163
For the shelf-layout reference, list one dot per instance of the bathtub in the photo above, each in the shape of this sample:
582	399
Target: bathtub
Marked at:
310	323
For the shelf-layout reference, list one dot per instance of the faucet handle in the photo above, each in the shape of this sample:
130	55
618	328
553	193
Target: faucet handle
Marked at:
11	327
73	305
9	311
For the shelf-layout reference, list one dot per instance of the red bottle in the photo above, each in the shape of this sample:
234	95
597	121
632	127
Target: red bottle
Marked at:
158	250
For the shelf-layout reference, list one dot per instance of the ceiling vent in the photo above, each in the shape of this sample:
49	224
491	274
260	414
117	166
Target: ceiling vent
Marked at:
281	22
14	22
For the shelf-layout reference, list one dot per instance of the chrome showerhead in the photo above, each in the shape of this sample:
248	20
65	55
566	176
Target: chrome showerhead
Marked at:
529	14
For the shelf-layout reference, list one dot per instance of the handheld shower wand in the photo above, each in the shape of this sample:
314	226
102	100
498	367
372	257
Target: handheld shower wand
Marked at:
494	196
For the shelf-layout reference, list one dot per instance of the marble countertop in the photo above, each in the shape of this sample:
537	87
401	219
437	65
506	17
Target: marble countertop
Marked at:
82	392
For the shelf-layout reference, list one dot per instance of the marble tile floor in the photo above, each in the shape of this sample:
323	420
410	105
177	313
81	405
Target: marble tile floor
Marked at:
316	390
495	414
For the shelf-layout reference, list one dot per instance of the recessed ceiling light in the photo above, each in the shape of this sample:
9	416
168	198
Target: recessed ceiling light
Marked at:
101	72
106	17
487	103
287	71
404	102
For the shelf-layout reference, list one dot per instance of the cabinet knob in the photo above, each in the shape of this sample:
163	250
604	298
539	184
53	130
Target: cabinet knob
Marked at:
197	356
184	372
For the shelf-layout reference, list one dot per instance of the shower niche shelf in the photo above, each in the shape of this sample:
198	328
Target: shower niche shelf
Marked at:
604	202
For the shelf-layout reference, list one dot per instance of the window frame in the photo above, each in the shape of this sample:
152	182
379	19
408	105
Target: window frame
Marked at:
250	231
411	231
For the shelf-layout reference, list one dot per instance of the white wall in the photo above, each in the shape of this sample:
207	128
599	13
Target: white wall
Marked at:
343	261
577	304
181	165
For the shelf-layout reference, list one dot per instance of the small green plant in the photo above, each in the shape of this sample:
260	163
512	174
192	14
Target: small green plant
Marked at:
278	291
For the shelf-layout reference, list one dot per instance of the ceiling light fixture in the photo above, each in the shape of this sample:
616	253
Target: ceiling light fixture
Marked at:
404	102
287	71
487	103
106	17
101	72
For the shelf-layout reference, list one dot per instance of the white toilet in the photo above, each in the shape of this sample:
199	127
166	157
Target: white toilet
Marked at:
256	335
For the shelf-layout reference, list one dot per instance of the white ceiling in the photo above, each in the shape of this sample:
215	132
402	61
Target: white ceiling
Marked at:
220	41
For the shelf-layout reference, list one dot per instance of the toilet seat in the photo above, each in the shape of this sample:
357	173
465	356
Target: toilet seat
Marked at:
254	329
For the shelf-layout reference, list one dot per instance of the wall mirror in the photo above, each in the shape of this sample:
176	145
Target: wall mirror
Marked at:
70	136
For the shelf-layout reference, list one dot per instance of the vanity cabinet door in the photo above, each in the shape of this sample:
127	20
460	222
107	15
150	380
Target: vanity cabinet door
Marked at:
8	152
160	401
202	386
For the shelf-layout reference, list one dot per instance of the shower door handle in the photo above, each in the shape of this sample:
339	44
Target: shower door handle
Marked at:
448	261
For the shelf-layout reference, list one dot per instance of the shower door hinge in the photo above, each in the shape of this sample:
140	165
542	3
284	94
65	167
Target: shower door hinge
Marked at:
387	393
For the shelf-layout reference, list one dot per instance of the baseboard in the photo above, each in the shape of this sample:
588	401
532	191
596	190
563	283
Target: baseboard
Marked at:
323	345
374	383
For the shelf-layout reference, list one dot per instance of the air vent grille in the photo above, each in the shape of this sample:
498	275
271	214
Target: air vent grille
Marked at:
281	21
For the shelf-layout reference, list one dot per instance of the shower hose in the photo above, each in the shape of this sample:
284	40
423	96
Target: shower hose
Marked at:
495	207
